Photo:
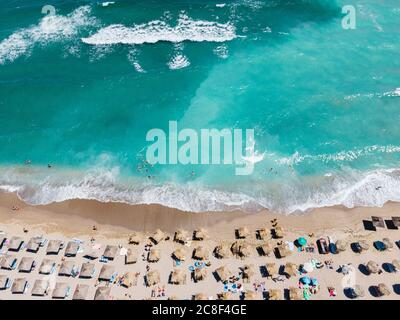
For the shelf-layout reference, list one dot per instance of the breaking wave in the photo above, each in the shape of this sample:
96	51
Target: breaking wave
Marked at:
350	189
50	29
157	30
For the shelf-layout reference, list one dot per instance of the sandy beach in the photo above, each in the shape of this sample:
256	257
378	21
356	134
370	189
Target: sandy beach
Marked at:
96	225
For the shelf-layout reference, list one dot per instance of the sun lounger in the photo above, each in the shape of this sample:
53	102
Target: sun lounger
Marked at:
40	288
26	264
19	286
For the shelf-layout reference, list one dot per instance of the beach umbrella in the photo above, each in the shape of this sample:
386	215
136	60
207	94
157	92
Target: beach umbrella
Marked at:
341	245
223	273
279	232
181	236
291	269
200	234
247	272
305	280
314	282
364	245
383	289
222	251
242	232
388	243
200	253
135	238
200	296
373	267
199	274
295	293
265	249
302	241
225	296
179	254
272	269
344	269
308	267
358	291
274	294
177	276
263	233
396	264
250	295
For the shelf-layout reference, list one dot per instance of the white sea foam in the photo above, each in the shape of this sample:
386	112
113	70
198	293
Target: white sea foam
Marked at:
351	188
157	30
178	61
50	29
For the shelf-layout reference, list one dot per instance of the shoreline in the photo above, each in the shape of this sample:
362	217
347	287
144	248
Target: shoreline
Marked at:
148	218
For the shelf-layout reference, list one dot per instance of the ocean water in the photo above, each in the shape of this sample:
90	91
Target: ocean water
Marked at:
80	89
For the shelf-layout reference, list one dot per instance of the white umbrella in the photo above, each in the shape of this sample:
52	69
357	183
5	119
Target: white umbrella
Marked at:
308	267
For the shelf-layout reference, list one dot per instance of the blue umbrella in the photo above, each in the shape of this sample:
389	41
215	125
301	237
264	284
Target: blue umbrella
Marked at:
314	282
305	280
302	241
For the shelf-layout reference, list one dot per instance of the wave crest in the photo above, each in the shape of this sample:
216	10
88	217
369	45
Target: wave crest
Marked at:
157	30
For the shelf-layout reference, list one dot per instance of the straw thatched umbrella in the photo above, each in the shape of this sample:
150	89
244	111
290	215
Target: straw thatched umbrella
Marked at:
222	251
247	272
179	254
388	243
242	232
263	233
341	245
396	264
291	269
274	294
363	245
295	293
200	296
373	267
272	269
152	278
158	236
250	295
383	290
283	250
129	279
177	277
181	236
225	296
240	249
265	249
223	273
199	274
200	253
358	291
278	232
135	238
200	234
154	255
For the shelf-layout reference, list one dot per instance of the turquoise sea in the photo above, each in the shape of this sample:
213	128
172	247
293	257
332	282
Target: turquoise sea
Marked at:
80	89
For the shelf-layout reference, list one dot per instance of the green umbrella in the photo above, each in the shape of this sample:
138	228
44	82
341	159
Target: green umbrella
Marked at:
302	241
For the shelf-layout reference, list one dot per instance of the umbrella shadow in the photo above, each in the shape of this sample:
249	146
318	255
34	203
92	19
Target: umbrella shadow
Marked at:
368	225
363	269
396	289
